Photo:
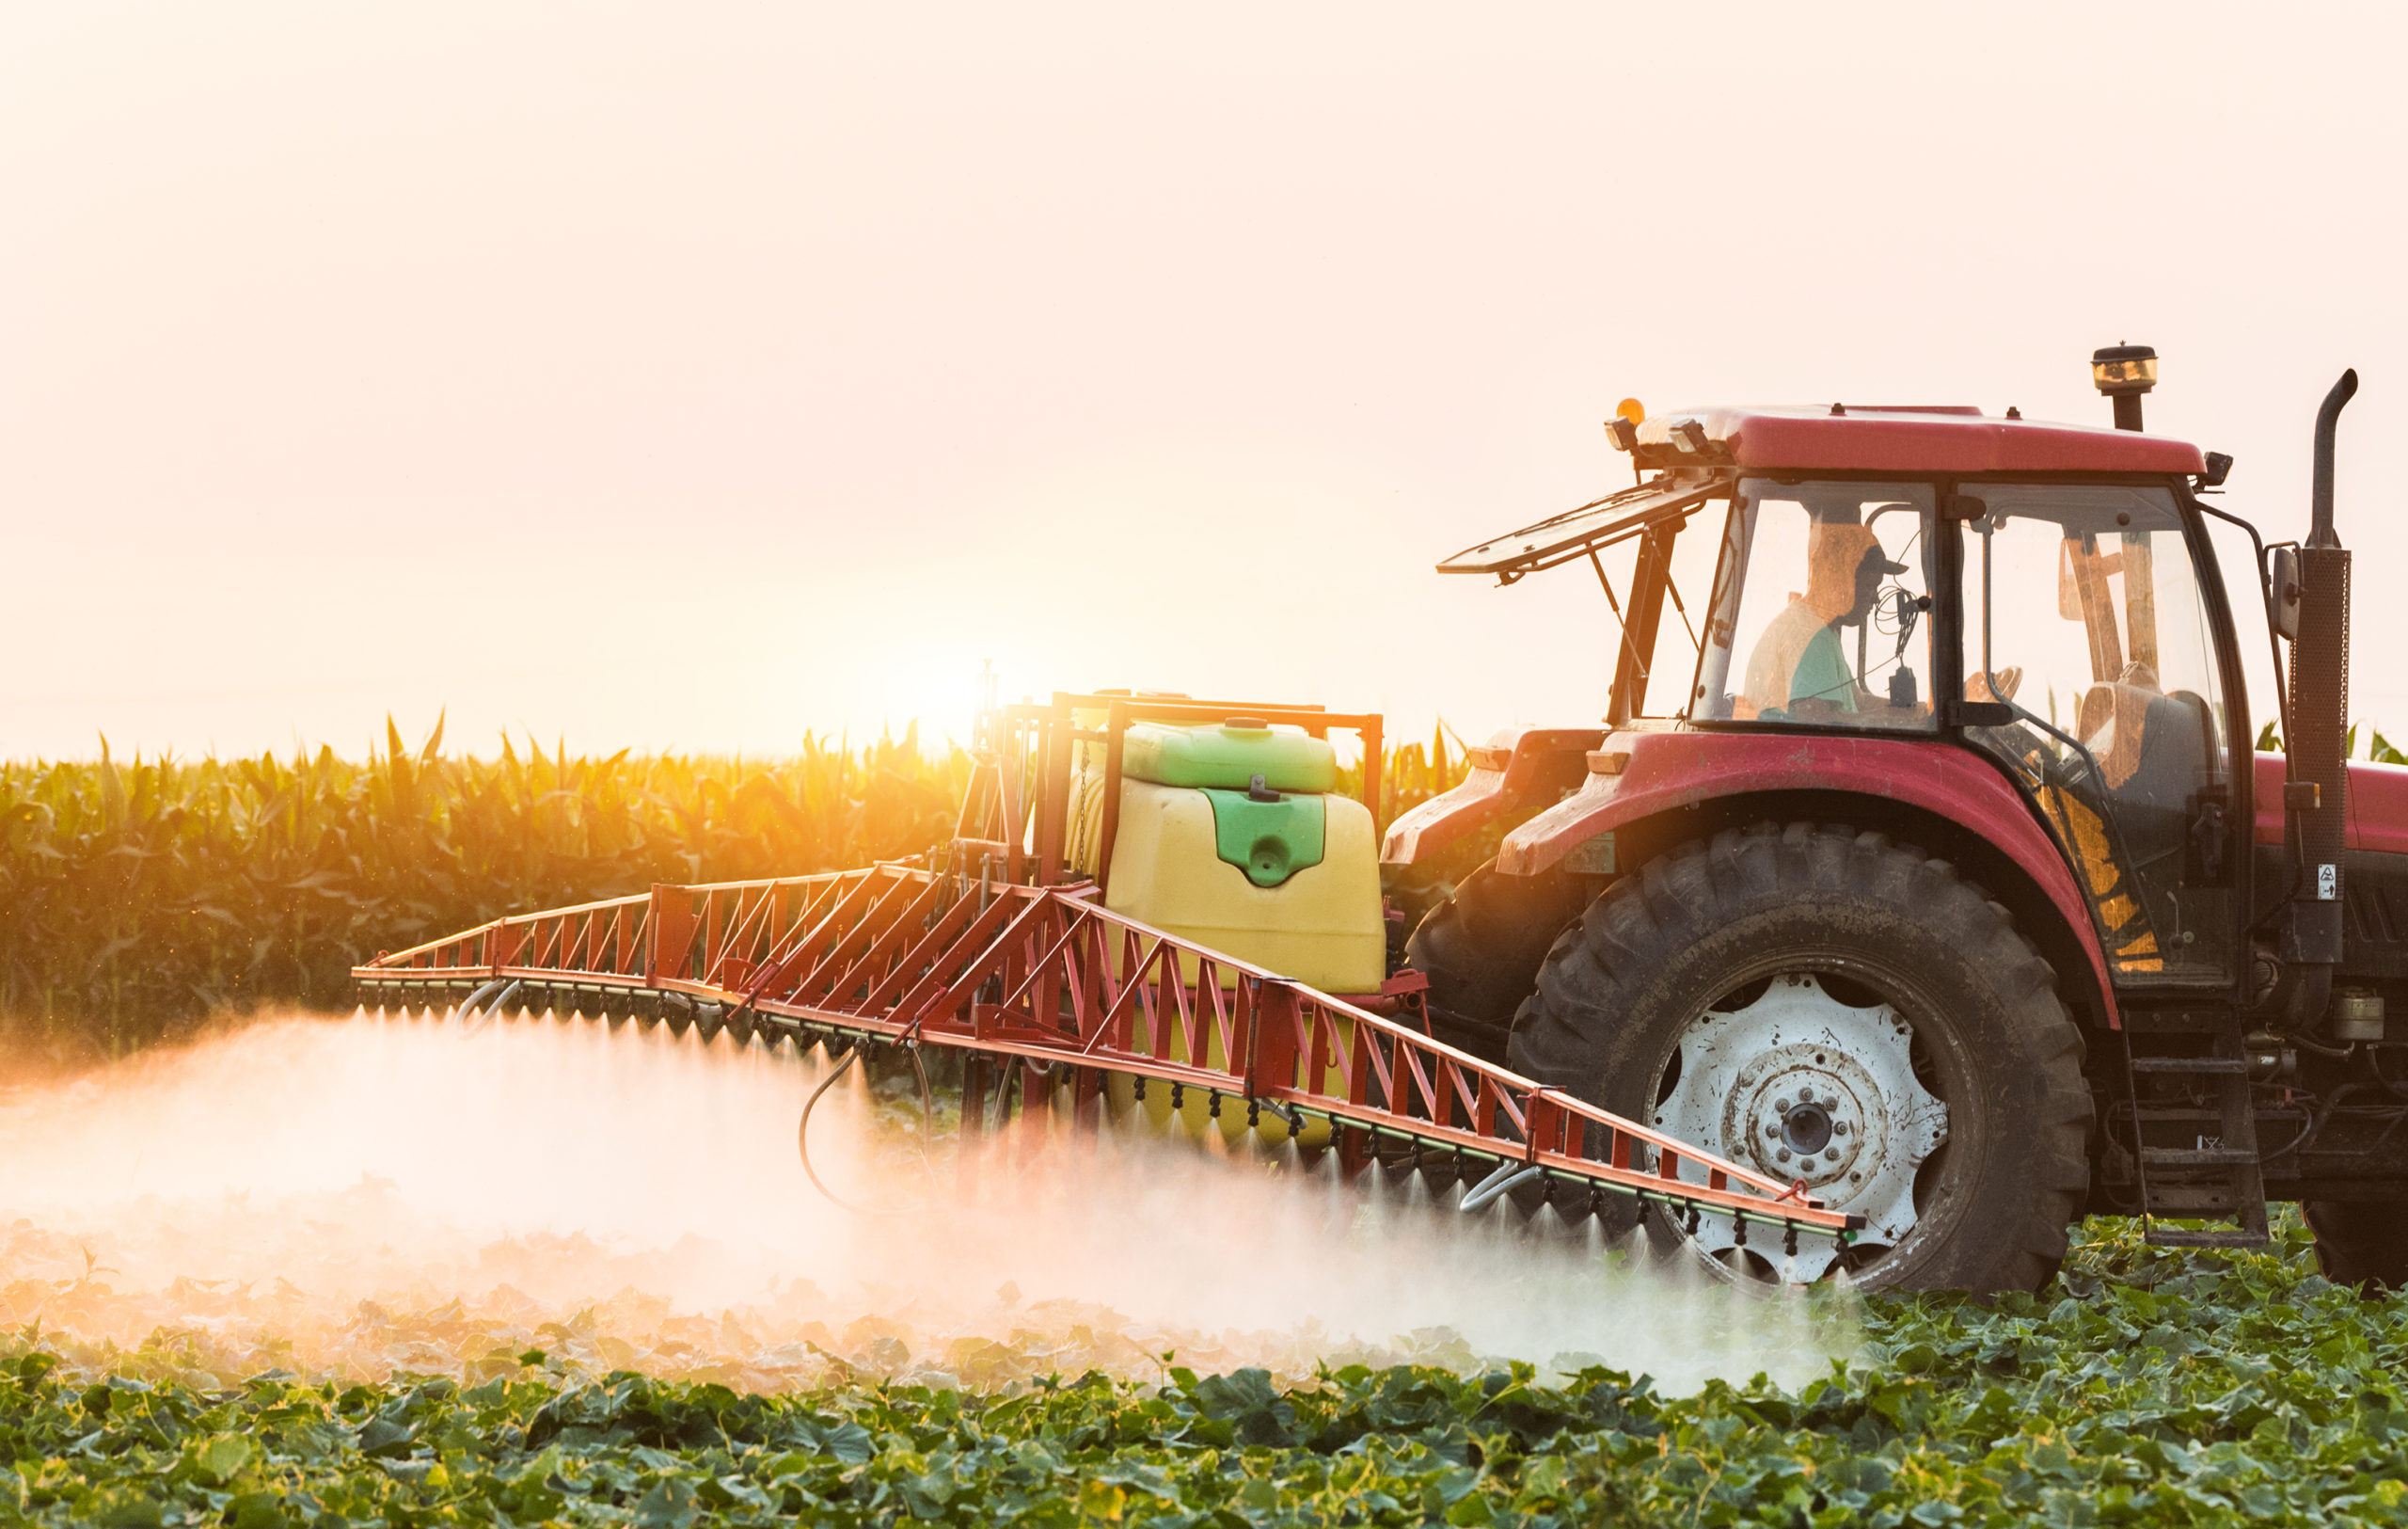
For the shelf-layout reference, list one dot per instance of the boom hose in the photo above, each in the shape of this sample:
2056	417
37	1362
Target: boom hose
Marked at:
802	1129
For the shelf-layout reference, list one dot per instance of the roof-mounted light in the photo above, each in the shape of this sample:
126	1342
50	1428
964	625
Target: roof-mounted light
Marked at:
2124	368
2123	372
1622	429
1628	416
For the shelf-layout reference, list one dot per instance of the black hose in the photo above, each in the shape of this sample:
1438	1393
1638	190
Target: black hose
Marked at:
803	1130
2375	1065
2308	1121
2390	1124
2323	1114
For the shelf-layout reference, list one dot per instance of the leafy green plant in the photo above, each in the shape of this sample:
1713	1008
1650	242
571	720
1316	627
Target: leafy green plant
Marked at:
2380	750
2144	1387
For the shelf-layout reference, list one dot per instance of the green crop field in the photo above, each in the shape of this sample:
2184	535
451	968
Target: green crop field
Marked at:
2142	1387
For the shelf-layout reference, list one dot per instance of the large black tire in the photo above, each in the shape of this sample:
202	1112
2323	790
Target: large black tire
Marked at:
1866	922
1481	947
2360	1242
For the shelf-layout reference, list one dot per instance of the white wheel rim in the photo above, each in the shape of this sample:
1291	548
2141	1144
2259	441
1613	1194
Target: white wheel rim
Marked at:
1801	1085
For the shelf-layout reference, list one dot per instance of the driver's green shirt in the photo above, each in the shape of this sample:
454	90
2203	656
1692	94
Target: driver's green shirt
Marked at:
1822	673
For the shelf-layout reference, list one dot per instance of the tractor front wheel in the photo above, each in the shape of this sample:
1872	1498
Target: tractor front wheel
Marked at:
1480	949
1820	1004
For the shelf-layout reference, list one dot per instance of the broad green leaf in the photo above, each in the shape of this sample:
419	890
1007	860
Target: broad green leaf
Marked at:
223	1457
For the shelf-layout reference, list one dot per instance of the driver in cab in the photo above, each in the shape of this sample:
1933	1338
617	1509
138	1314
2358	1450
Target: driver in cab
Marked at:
1800	667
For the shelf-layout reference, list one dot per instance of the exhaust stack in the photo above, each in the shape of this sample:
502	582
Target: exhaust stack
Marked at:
2328	420
2317	792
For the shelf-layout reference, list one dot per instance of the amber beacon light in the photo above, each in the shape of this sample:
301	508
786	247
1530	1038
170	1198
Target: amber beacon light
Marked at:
2124	373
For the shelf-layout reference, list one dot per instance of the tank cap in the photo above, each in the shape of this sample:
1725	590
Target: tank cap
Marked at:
1246	725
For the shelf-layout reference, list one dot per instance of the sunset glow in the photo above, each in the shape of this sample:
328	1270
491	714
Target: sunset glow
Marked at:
693	378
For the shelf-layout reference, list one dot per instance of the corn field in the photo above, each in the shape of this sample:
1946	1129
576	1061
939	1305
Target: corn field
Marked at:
137	898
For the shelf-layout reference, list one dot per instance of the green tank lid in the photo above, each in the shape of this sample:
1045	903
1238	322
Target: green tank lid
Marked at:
1228	756
1270	836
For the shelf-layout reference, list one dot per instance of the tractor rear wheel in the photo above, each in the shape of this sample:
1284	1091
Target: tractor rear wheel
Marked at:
1480	949
1822	1004
2359	1242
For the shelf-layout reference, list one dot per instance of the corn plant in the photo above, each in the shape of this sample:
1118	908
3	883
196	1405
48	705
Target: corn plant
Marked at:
135	897
138	896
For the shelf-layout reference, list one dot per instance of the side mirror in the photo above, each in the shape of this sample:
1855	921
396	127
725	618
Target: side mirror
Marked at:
2283	590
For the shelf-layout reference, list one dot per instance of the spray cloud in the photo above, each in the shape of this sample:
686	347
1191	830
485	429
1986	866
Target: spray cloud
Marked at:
362	1197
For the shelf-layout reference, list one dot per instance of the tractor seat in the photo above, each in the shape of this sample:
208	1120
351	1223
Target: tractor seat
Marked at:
2155	751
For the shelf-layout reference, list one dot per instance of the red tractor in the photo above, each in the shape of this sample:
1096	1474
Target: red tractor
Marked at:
1925	857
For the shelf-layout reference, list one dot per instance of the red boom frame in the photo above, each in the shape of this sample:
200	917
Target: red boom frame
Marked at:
1044	974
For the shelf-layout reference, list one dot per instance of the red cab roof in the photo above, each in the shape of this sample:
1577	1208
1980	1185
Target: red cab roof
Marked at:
1905	439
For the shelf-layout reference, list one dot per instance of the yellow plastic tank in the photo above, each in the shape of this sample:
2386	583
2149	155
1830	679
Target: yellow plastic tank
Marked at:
1321	924
1282	878
1285	878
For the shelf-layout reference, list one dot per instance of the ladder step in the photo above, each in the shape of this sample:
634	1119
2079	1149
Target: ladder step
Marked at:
2216	1184
2158	1237
2198	1157
2207	1200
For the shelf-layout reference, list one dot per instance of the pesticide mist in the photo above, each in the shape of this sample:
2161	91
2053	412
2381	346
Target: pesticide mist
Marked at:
379	1195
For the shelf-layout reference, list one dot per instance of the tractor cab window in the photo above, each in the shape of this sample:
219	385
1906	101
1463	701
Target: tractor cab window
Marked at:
2083	611
1820	610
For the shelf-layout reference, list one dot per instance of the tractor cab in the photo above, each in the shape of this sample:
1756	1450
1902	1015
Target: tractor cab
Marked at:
2033	592
1919	851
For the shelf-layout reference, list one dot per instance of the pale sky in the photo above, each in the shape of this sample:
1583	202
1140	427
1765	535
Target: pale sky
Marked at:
691	376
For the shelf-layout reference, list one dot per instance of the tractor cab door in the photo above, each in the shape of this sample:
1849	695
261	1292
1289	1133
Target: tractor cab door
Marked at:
2083	611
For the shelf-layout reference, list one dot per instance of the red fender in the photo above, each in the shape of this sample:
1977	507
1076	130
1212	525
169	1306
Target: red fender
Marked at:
1639	774
1509	767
